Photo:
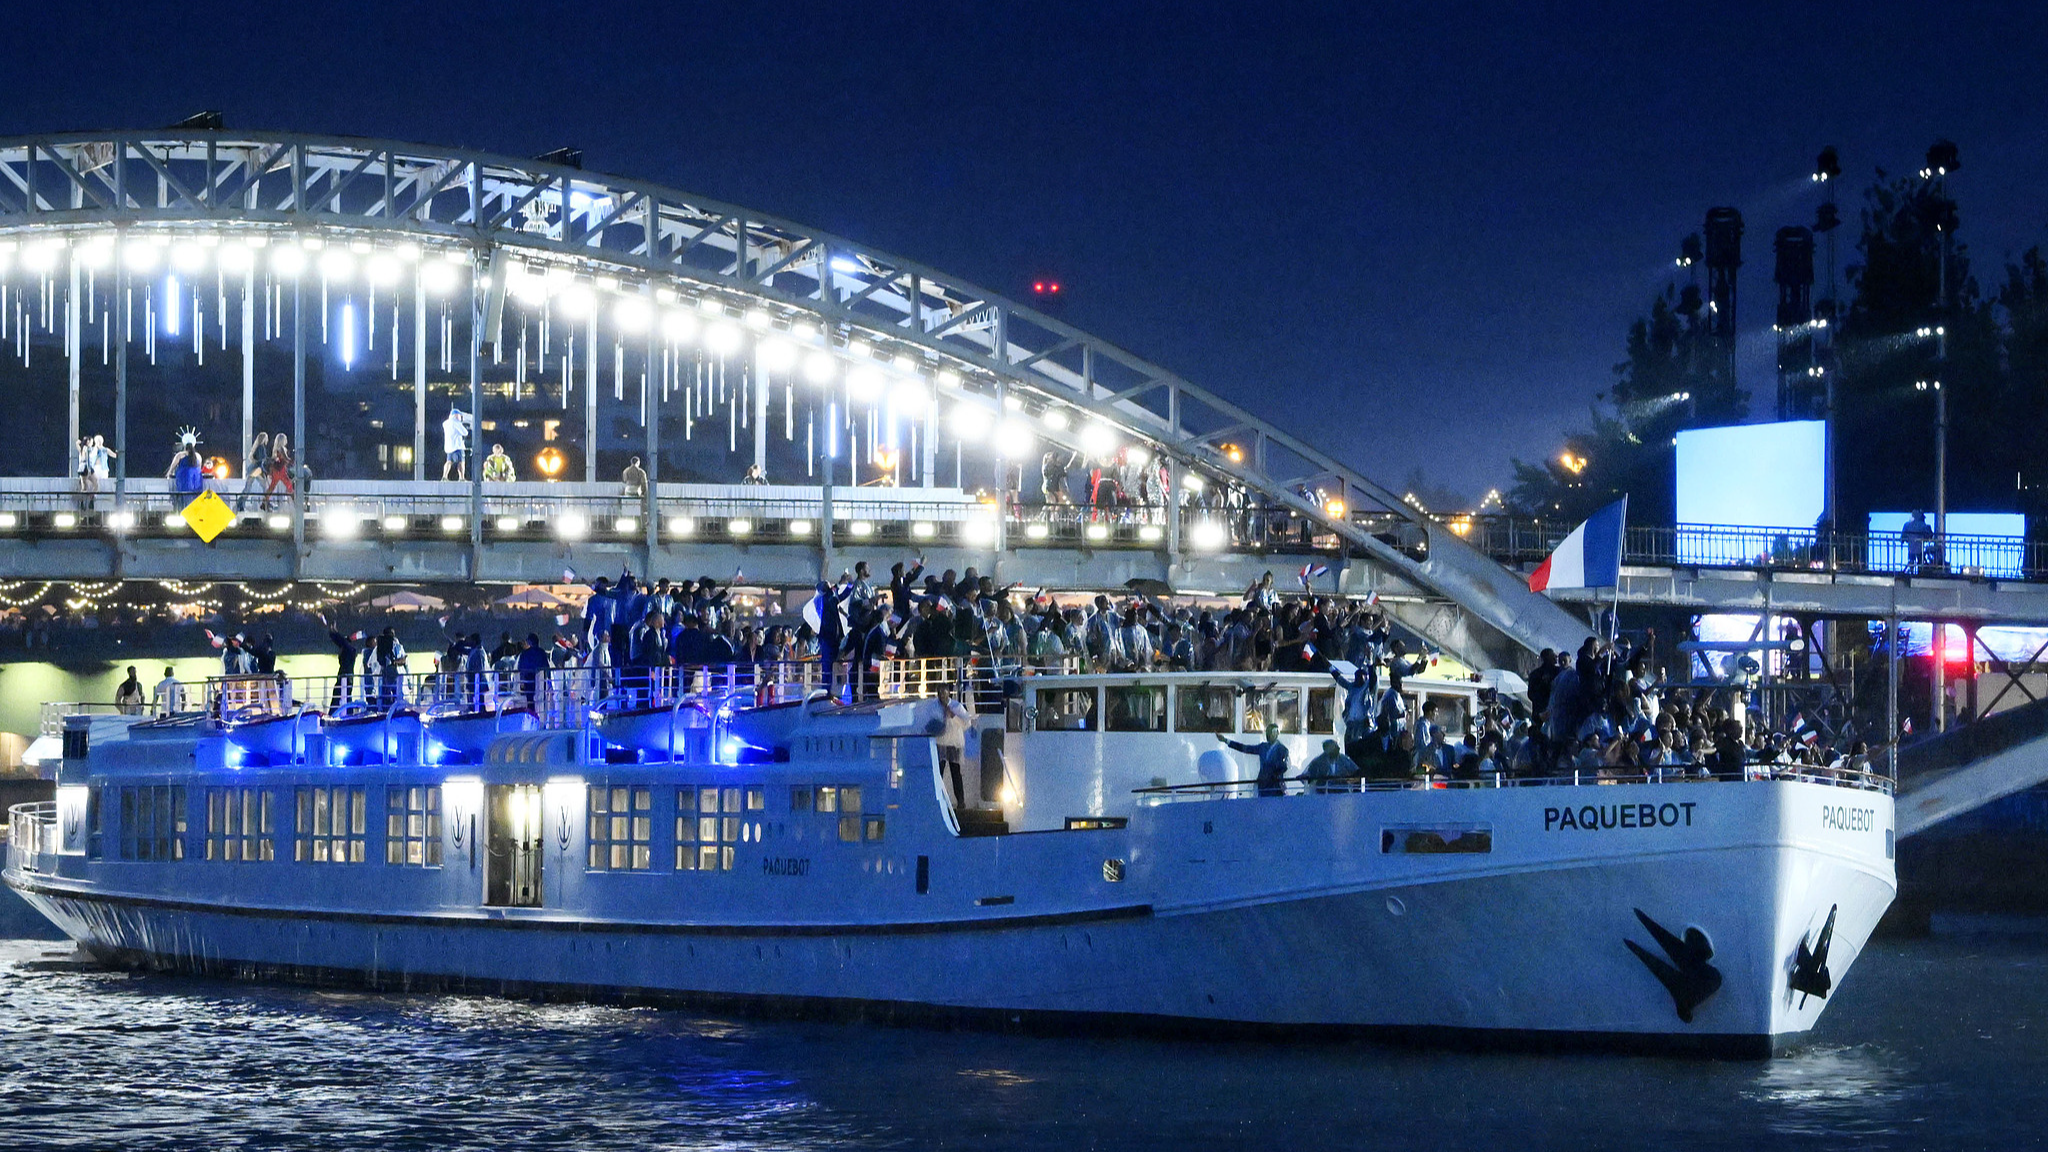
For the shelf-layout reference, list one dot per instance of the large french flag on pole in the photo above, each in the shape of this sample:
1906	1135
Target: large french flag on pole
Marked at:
1590	557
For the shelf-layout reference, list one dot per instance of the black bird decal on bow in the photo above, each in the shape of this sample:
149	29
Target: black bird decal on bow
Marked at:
1688	976
1810	965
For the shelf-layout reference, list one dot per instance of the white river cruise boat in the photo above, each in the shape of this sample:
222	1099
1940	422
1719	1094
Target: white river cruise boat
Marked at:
721	842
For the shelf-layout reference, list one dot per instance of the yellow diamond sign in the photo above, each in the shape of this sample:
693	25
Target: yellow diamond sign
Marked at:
208	515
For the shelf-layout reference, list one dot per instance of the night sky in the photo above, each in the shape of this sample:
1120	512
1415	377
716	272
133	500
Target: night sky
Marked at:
1428	230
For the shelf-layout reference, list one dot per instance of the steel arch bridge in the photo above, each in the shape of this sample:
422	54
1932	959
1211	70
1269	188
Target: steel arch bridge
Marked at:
663	275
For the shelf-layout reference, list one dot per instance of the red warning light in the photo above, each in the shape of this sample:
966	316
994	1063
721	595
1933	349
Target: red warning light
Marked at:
1038	286
1055	287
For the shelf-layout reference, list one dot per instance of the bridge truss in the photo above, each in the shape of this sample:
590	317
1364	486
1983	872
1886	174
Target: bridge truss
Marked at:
673	286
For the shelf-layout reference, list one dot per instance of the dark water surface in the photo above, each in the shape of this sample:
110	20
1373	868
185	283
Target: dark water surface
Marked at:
1934	1044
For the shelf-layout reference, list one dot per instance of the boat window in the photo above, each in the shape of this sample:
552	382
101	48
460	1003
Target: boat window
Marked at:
799	799
1066	710
1450	712
95	823
621	829
1136	708
1204	708
331	826
756	800
412	825
153	823
828	799
708	825
240	824
1435	839
849	813
874	828
1322	710
1268	706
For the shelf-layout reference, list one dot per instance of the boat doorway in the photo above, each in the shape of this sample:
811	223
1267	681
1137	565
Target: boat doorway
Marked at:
512	855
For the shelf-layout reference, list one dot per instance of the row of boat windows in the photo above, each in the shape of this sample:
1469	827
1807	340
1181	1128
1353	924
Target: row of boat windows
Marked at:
1214	708
331	823
709	822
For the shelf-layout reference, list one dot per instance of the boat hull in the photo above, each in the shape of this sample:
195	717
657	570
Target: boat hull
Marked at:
1516	957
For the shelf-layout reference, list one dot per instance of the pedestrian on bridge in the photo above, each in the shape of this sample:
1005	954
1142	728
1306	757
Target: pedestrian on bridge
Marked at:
253	468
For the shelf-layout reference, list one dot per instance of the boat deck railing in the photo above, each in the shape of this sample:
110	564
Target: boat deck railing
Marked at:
567	697
33	837
51	720
1675	774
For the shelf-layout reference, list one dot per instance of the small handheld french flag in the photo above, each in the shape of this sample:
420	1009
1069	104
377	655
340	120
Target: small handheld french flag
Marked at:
1590	557
1313	572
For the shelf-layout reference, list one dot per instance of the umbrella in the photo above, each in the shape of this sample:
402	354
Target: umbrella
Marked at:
1504	682
408	601
531	598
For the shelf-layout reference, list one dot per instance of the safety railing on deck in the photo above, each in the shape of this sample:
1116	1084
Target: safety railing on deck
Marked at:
1674	774
566	697
50	721
33	836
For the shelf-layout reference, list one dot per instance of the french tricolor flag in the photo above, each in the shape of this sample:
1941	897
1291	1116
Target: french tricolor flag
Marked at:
1590	557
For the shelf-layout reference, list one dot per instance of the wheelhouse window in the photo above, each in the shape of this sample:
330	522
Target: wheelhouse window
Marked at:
412	825
332	826
1322	710
153	822
1204	708
1066	710
240	825
1136	708
621	829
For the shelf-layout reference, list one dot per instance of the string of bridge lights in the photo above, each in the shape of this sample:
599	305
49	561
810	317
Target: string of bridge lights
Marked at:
883	396
91	596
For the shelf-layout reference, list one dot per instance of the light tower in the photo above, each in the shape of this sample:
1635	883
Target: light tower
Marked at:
1826	168
1801	395
1724	255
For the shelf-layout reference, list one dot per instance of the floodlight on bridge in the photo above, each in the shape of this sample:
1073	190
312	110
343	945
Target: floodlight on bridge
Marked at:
571	526
576	301
1014	439
681	526
820	367
777	354
1037	531
862	529
722	338
98	253
909	398
285	259
978	532
864	382
9	520
121	521
64	520
740	527
923	530
800	527
947	378
188	257
1056	420
236	257
394	524
1099	439
336	264
338	522
626	525
436	276
1150	533
1098	531
632	314
141	256
279	522
970	421
679	325
451	523
1208	535
507	524
382	269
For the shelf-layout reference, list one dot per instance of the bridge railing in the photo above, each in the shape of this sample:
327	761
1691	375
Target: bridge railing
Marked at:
1518	540
520	512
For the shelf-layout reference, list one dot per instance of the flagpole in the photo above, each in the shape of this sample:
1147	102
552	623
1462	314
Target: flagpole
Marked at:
1620	554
